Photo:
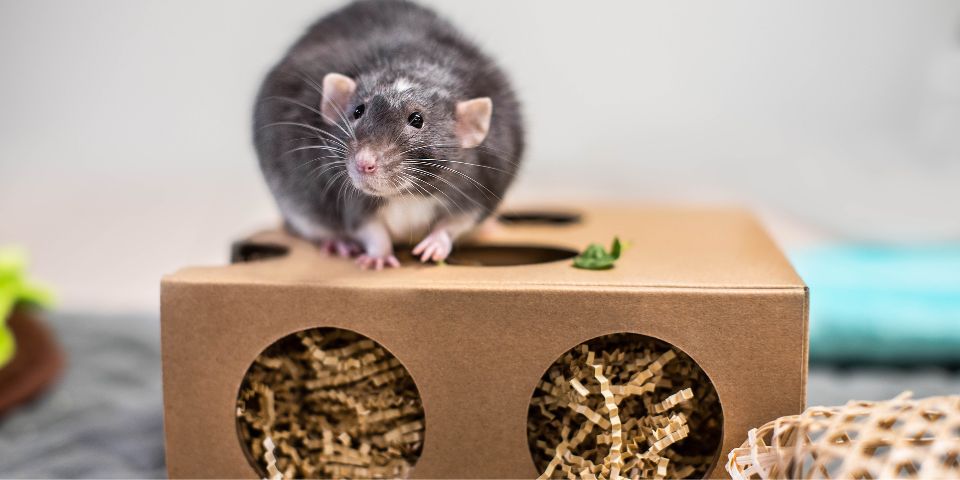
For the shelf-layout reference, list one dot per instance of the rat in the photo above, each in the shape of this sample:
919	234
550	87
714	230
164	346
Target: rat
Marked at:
383	125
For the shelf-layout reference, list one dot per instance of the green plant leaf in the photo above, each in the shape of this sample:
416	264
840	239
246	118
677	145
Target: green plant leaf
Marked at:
15	289
595	257
7	347
615	248
593	263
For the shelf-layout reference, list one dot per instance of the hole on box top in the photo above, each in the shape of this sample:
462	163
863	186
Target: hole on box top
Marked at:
335	404
667	411
246	251
499	255
539	217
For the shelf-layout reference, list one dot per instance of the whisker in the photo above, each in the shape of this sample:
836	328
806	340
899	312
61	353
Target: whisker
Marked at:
407	176
315	147
462	163
464	175
297	139
316	86
416	181
339	186
309	127
324	169
340	113
333	180
293	101
418	147
468	197
312	160
342	192
494	152
318	172
499	155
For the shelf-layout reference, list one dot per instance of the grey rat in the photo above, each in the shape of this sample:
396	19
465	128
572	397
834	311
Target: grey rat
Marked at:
383	124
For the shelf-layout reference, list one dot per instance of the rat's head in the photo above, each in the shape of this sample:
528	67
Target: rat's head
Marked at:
393	129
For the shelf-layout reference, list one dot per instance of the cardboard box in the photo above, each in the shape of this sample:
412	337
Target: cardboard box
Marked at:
477	339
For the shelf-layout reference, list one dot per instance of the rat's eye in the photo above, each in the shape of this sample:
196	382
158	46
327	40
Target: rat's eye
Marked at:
358	112
415	120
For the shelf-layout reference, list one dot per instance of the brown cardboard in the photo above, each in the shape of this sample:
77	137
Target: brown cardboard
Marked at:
477	339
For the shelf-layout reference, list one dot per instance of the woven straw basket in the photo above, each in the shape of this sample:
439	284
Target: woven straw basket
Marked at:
898	438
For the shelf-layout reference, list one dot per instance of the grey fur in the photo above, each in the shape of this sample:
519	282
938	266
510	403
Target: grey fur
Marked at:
375	42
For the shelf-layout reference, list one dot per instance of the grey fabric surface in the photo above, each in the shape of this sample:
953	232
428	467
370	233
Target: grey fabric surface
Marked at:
104	419
835	386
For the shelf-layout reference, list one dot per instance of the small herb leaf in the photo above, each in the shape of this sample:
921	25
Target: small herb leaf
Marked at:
615	248
595	257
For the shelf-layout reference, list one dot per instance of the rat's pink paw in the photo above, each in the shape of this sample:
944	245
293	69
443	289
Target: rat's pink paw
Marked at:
369	262
343	248
435	246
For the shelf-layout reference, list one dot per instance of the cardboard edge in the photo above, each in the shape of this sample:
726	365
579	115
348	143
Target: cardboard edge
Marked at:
805	347
765	232
166	283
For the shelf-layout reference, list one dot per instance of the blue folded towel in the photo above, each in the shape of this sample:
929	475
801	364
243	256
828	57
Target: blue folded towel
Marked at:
883	304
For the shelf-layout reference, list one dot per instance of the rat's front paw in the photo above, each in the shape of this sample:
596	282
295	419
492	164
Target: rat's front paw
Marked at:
435	247
372	262
341	247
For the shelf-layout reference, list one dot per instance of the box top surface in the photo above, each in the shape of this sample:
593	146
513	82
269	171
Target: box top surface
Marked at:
669	247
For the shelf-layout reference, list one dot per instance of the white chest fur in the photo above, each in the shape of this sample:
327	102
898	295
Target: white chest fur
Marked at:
408	219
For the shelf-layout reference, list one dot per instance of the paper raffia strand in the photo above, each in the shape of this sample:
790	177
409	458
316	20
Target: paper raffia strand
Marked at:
330	403
600	413
272	472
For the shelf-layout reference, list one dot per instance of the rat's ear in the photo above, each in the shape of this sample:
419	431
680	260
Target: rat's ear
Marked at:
473	121
337	90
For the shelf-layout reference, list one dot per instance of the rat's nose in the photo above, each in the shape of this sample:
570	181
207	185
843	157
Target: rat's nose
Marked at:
366	161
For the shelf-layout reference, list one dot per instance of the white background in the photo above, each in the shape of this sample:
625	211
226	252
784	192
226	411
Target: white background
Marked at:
125	145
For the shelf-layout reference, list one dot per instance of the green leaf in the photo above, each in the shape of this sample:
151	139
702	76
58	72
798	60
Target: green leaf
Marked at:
595	257
7	347
593	263
615	248
15	289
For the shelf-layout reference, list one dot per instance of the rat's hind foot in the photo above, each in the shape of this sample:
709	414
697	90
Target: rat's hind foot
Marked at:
370	262
341	247
435	246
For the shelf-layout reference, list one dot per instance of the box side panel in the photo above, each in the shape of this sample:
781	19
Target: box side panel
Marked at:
476	357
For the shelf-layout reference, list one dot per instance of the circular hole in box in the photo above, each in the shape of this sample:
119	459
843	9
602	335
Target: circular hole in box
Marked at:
666	405
538	217
245	251
335	404
499	255
507	255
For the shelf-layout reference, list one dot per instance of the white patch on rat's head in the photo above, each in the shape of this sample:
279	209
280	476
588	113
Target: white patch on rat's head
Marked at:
402	84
